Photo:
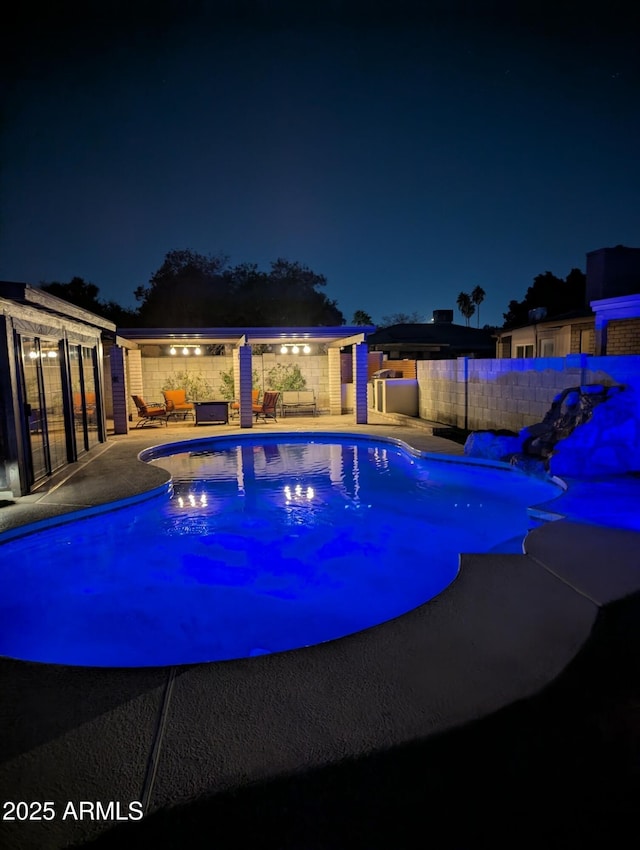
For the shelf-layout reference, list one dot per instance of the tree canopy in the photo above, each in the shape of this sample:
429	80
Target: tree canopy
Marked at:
414	318
477	296
196	290
85	295
361	318
555	295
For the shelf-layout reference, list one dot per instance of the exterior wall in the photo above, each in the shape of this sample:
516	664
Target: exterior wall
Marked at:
623	336
135	382
511	394
583	338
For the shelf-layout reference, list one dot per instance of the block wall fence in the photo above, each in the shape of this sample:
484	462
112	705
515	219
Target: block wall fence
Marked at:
481	395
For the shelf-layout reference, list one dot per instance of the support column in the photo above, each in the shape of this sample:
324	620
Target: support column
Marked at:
245	380
119	394
360	363
335	382
13	418
462	392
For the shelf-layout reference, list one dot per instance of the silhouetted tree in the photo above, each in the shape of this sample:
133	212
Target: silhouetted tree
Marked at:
188	290
477	296
85	295
78	291
414	318
194	290
466	306
361	318
556	295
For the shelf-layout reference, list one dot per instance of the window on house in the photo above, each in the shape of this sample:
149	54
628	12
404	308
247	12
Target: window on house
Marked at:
547	347
524	350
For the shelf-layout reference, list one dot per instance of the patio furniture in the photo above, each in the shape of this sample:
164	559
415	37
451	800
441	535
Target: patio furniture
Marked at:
149	412
267	410
234	407
177	404
90	405
298	401
211	412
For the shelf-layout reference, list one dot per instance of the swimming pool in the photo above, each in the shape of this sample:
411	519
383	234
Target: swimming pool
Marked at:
265	544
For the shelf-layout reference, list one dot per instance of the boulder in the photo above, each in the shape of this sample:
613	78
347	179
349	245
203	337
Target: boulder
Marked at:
580	436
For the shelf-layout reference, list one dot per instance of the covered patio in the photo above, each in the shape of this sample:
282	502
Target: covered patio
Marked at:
127	363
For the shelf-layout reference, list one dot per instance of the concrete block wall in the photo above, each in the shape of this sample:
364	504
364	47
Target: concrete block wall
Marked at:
513	393
156	370
441	396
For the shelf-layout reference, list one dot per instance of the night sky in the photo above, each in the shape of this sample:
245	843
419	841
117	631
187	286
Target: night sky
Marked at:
407	151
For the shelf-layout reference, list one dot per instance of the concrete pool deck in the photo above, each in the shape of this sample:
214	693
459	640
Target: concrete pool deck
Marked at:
513	692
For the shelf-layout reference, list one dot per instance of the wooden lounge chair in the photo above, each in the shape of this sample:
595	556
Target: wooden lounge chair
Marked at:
149	412
267	410
177	404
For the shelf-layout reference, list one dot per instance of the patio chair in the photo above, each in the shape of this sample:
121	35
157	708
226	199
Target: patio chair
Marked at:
149	412
267	410
234	407
177	404
90	404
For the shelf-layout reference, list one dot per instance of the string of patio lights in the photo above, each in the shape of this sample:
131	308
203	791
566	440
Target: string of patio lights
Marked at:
284	349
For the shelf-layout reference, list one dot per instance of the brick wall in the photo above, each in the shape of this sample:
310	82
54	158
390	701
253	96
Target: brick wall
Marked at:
623	336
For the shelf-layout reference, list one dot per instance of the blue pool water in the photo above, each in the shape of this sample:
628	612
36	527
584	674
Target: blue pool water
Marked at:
264	545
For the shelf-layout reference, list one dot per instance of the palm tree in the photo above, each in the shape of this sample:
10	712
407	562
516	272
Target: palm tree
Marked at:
465	305
477	296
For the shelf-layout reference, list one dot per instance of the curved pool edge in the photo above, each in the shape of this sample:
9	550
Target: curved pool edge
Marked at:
84	513
501	633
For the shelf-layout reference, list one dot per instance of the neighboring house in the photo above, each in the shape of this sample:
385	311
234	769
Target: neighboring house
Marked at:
571	333
610	324
436	340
